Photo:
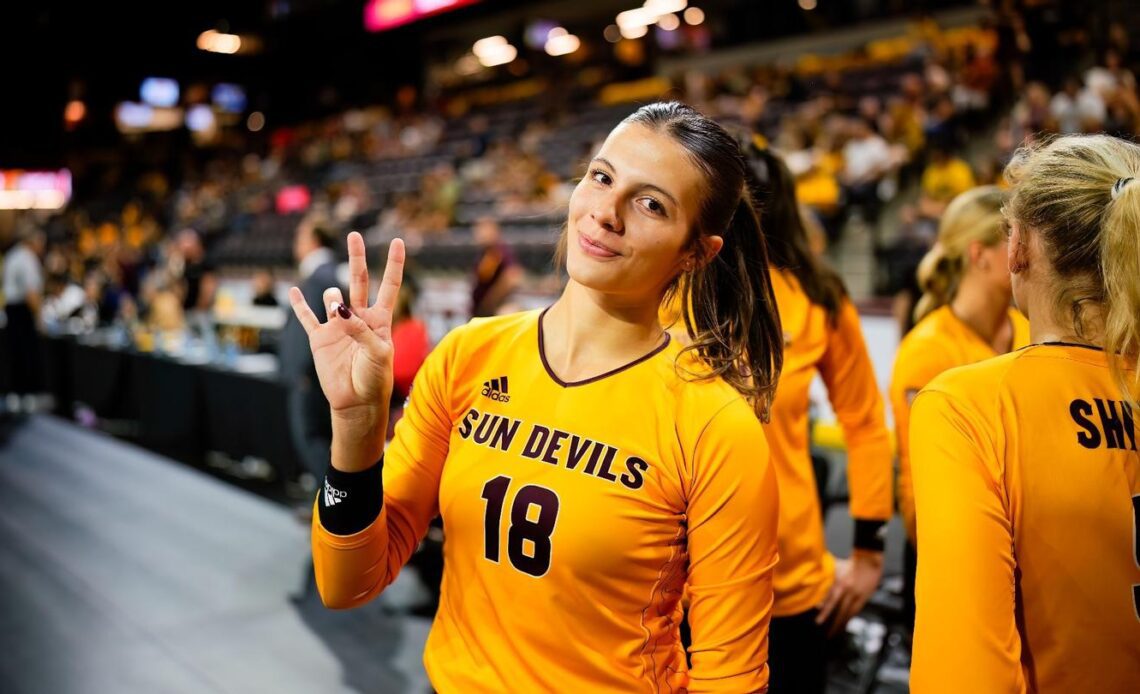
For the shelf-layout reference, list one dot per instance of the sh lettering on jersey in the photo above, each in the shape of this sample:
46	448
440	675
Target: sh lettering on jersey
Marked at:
1104	423
553	446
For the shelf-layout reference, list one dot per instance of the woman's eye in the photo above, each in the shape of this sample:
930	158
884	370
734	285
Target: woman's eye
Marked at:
600	176
653	206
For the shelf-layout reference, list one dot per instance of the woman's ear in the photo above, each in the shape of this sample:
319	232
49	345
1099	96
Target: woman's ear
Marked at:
1018	249
977	252
707	249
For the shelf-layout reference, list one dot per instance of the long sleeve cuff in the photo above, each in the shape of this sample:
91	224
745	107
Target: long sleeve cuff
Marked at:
870	535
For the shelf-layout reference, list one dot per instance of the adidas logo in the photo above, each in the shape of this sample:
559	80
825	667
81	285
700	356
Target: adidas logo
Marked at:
496	389
333	496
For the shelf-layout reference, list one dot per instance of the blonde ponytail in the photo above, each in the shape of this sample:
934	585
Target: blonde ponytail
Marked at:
972	216
938	277
1120	266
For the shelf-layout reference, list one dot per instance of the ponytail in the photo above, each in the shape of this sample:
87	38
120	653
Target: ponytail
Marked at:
974	215
1120	267
773	190
938	277
734	321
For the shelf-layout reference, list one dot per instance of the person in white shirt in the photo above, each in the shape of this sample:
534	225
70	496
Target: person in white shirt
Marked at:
23	285
866	159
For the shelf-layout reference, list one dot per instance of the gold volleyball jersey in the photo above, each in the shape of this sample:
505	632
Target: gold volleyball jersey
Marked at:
939	342
812	344
574	514
1027	488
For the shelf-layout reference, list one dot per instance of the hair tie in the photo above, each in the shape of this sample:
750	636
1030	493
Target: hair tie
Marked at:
1120	185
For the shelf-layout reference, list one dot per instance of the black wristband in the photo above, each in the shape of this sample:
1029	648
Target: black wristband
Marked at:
870	535
351	501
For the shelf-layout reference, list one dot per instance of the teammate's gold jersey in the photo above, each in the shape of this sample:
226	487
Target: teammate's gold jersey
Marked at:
814	344
574	513
1027	490
939	342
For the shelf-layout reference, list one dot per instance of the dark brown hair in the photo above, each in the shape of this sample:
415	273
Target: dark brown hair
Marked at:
774	190
733	320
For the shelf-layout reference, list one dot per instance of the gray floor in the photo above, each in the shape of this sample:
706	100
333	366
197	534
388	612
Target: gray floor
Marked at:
121	571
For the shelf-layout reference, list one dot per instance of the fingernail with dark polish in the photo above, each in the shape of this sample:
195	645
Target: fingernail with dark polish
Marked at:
343	311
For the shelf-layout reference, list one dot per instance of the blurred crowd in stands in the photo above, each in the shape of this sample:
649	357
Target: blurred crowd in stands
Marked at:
899	126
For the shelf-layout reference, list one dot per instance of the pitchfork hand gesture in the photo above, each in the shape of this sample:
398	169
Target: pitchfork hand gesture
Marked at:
353	355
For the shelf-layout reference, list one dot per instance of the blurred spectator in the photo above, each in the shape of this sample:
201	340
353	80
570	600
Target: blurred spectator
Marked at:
411	345
309	424
263	294
945	177
942	121
1032	113
23	285
352	199
897	265
399	220
979	76
441	189
105	298
1112	75
165	313
1013	46
198	276
1065	107
497	273
866	159
64	301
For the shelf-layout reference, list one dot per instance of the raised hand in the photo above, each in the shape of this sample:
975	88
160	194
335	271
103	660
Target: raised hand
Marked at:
353	353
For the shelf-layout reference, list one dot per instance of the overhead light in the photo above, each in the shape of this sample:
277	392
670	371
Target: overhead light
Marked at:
562	45
200	119
660	7
255	122
28	200
694	16
634	32
637	17
159	91
668	22
131	117
489	45
612	33
807	5
217	42
498	56
556	32
75	111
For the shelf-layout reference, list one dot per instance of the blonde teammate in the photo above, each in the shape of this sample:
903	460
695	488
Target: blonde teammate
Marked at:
1026	471
963	316
585	467
817	594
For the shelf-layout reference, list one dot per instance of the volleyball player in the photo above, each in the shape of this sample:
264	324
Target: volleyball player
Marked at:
963	316
1026	471
816	594
585	467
